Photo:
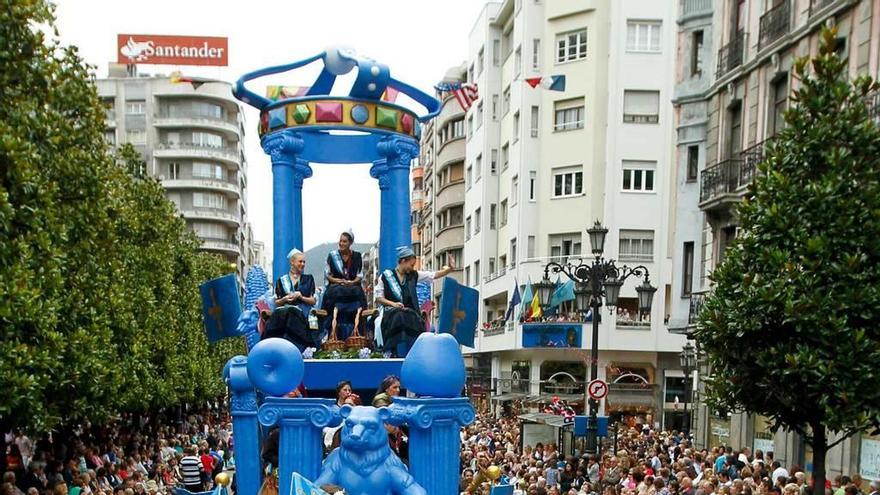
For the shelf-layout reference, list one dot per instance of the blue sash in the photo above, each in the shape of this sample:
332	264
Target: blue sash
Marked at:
337	262
287	283
393	284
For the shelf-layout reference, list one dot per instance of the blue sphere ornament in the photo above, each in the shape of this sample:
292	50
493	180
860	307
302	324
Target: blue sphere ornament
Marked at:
434	366
275	366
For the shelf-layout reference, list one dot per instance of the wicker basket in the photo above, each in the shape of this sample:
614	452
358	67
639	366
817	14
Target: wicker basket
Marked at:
356	342
333	345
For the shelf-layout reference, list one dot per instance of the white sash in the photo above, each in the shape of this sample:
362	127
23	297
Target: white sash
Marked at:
287	283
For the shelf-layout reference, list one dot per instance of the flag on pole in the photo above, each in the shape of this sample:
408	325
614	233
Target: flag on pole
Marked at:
514	301
221	307
535	309
177	77
527	300
554	83
458	311
465	93
563	292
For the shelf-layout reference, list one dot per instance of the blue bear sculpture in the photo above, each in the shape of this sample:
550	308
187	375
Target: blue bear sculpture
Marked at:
364	464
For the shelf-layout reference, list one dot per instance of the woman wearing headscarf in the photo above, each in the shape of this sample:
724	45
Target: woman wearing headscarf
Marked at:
294	298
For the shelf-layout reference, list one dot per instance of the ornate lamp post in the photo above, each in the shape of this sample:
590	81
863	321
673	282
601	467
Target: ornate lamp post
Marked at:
597	279
688	361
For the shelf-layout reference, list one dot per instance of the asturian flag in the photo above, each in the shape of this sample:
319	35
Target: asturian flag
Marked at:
553	83
465	93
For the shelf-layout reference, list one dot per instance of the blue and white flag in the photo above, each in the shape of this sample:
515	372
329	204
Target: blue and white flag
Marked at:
221	307
514	301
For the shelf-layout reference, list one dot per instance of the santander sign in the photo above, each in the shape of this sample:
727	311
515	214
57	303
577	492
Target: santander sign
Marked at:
172	50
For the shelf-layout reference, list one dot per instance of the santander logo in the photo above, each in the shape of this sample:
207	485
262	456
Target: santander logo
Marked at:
172	50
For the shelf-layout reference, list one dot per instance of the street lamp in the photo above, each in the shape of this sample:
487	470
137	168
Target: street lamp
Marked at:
597	279
688	361
544	288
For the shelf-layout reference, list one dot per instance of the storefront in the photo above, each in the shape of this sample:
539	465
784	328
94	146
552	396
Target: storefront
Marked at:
764	438
719	430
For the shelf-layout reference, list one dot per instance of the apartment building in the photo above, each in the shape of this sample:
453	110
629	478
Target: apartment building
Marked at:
191	140
733	83
542	165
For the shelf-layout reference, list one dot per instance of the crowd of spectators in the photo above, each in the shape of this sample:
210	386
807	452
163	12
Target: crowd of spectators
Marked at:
136	455
647	462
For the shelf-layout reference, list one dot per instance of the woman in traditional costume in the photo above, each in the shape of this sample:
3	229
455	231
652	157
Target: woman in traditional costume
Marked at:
294	298
344	272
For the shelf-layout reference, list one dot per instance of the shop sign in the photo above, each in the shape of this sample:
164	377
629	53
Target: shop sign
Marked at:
869	459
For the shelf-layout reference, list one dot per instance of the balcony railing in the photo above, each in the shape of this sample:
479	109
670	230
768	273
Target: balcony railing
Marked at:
731	55
730	175
775	23
696	305
690	7
873	102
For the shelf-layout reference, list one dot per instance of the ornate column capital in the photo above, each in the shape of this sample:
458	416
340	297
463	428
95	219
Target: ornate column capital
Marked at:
316	412
422	413
397	151
282	147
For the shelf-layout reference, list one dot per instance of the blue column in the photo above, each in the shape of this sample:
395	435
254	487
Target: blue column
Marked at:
244	426
301	446
434	441
393	174
288	173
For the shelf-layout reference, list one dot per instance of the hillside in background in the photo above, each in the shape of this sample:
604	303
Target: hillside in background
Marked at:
317	256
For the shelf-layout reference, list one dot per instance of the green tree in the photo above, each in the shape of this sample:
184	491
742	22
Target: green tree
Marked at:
99	303
790	329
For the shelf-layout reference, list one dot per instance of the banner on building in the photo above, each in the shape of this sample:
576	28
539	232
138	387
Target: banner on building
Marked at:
172	50
551	335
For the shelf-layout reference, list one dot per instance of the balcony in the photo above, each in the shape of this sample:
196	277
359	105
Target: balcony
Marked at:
203	183
220	245
195	119
873	103
774	24
729	176
694	7
696	305
229	154
229	217
731	55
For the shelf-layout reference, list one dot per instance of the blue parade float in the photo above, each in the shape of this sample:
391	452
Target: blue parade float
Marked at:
358	128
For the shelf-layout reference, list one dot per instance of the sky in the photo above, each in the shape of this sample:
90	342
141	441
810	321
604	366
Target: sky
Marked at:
419	40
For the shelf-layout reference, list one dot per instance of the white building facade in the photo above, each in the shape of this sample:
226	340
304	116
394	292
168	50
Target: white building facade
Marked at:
542	165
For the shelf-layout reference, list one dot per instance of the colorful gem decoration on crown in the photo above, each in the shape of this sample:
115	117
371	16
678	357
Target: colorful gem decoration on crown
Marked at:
340	113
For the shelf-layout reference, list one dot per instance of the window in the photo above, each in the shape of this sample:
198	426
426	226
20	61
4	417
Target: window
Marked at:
676	389
110	137
503	219
493	162
470	126
478	218
467	275
532	189
530	247
534	123
505	101
479	121
514	190
571	46
480	61
517	61
133	107
643	36
636	245
479	167
568	114
496	52
641	107
779	103
207	171
477	272
470	74
467	228
453	255
505	156
516	126
467	177
564	245
693	162
209	200
507	43
136	136
456	128
638	175
513	251
568	182
687	269
697	53
734	138
536	53
492	215
207	139
494	107
173	170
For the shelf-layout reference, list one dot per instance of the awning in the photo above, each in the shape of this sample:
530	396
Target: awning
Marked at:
506	397
548	398
546	419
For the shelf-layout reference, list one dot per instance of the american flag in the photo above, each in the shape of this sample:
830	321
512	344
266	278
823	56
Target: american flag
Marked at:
465	93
